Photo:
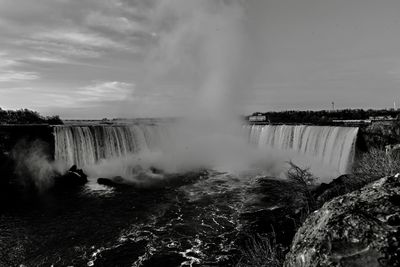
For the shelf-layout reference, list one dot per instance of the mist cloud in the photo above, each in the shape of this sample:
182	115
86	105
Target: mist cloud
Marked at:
33	165
199	42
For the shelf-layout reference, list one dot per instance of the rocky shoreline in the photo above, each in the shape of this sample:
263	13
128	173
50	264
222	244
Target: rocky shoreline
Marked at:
361	228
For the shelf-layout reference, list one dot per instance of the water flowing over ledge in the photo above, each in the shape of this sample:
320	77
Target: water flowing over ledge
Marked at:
334	146
86	145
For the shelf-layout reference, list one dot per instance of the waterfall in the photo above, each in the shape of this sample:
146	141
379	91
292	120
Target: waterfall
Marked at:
333	146
86	145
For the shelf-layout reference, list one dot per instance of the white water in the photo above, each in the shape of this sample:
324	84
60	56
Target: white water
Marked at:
332	146
119	147
86	145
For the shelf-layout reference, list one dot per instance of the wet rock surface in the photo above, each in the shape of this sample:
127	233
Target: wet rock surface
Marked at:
74	177
361	228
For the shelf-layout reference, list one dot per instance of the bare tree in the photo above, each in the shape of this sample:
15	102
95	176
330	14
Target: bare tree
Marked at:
304	179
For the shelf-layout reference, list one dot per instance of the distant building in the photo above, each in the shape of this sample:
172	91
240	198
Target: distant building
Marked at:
381	118
351	121
258	117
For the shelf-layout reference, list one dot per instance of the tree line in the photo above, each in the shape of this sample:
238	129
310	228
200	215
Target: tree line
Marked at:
326	116
26	116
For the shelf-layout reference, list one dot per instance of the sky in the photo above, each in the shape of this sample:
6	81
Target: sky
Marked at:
145	58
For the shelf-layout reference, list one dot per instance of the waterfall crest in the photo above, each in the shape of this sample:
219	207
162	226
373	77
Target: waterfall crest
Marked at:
334	146
86	145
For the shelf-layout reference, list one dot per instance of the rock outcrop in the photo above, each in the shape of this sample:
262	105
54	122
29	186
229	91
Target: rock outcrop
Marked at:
344	184
74	177
361	228
114	181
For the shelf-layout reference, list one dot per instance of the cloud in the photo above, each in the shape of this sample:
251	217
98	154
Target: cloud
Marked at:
14	76
54	48
45	59
73	30
9	61
76	38
106	91
76	30
5	61
97	93
8	73
119	24
70	43
94	96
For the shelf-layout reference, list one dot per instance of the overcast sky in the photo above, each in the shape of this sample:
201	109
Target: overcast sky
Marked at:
135	58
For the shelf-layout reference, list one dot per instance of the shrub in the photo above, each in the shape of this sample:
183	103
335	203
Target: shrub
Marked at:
376	164
261	251
304	180
54	120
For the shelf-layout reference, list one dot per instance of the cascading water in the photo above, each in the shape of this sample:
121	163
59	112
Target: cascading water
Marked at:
86	145
334	146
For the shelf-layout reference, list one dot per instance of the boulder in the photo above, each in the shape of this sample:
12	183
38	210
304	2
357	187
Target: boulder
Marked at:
114	181
361	228
74	177
344	184
152	177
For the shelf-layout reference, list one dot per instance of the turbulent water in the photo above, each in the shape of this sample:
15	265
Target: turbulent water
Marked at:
198	218
333	146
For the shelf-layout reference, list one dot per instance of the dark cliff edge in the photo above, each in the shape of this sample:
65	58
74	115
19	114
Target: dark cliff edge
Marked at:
361	228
